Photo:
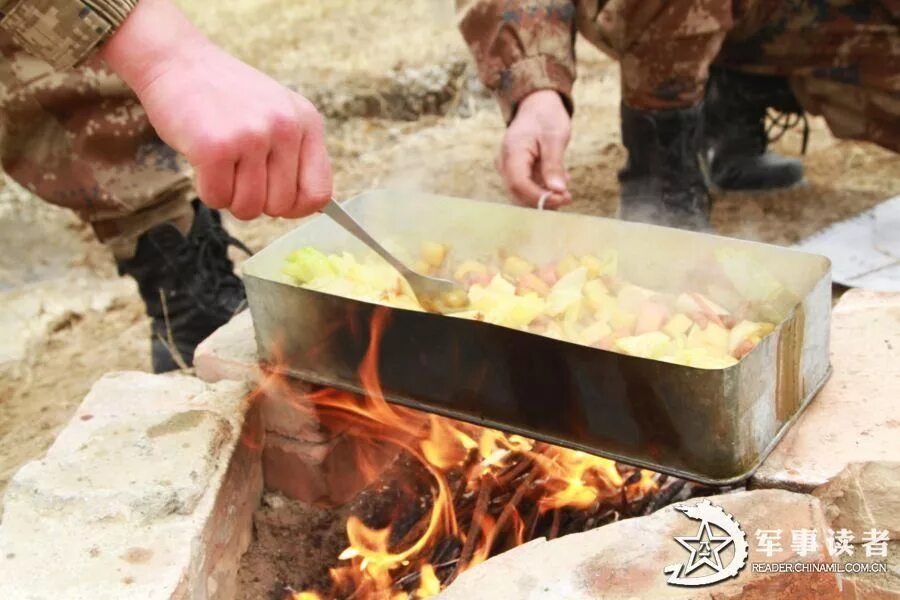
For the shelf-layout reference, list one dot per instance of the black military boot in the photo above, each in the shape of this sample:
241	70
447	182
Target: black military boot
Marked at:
662	182
187	283
737	135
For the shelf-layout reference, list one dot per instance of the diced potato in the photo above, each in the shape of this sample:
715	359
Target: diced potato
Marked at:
554	330
548	274
539	324
745	335
613	283
566	292
700	358
606	307
592	264
514	267
765	329
606	264
695	338
517	312
632	297
529	282
695	302
700	318
679	342
648	345
574	313
566	266
594	333
570	320
652	317
434	253
420	266
607	343
455	299
468	267
678	325
594	291
338	286
501	285
745	330
499	303
622	320
482	279
716	339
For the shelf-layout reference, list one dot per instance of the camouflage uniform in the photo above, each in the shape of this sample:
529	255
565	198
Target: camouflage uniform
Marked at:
842	57
78	137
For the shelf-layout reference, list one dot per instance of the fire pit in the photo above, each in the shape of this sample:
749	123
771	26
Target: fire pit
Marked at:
444	495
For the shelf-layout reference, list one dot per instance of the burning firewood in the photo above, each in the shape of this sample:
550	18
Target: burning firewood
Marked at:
460	493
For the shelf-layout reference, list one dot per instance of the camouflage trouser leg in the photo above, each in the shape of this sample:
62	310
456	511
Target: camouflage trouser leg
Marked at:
80	139
842	58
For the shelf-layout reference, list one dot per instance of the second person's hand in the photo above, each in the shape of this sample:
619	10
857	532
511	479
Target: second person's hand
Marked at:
532	159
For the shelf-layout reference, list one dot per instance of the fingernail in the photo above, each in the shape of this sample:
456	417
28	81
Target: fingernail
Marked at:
557	183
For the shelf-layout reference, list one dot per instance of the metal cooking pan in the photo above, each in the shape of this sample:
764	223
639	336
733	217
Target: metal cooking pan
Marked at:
713	426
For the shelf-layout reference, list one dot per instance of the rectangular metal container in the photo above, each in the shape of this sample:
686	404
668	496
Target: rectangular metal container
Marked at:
713	426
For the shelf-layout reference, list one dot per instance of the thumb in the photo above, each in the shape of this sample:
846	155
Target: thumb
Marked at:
553	168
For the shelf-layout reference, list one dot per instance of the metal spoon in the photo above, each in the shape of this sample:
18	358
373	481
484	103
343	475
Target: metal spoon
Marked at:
434	294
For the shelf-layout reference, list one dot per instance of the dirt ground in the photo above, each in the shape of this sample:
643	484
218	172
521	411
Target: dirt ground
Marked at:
294	545
404	110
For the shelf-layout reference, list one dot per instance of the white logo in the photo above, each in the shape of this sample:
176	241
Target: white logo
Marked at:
719	536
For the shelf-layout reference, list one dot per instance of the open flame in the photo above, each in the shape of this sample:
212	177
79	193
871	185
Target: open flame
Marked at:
490	491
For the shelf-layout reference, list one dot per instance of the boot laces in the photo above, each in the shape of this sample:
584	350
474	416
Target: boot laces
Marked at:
777	123
211	260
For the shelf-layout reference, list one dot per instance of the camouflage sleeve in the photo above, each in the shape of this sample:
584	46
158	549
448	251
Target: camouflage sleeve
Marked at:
665	47
62	32
521	46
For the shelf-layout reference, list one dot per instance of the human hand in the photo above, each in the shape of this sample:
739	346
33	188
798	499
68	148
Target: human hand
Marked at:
532	156
256	146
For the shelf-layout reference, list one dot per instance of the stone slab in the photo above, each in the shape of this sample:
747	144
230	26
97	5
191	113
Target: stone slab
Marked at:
626	559
147	493
856	416
862	497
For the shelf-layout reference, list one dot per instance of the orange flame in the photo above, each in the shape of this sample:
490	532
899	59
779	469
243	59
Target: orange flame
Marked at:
374	567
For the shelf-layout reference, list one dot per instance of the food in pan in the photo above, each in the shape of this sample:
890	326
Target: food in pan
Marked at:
579	299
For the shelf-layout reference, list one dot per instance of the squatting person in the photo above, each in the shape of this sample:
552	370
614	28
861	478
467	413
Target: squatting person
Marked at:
836	58
109	107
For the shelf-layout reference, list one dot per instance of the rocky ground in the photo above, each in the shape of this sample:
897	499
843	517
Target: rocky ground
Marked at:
404	110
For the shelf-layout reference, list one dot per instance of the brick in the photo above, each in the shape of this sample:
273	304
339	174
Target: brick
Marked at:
287	409
229	353
325	472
